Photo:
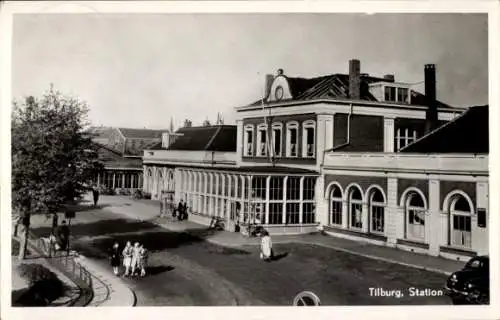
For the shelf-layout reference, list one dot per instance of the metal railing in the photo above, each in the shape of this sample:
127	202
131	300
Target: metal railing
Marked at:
66	263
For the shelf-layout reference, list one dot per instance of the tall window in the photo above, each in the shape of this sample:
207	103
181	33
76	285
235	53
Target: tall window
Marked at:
258	200
277	129
355	205
292	200
248	143
308	146
415	217
377	208
308	203
460	213
262	140
390	93
276	200
405	136
336	206
403	95
291	139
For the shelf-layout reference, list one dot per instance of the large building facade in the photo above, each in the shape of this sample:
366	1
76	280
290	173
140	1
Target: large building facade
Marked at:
356	156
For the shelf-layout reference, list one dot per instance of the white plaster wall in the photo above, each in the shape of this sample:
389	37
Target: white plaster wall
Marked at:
432	223
392	215
480	238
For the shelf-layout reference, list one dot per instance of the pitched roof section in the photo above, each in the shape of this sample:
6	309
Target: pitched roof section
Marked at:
113	159
467	133
131	133
101	133
220	138
336	86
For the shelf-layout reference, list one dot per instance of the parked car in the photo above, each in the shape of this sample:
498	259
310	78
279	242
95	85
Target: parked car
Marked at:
471	285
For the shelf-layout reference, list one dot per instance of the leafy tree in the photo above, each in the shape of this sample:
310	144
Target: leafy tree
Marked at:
53	157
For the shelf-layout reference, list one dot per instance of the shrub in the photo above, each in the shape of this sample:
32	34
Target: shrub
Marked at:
139	194
44	285
108	191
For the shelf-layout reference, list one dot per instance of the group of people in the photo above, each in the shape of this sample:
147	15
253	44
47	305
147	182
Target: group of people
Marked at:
181	211
134	259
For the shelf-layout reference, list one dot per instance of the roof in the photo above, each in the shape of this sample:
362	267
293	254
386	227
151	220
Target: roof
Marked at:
131	133
336	86
100	133
220	138
114	159
467	133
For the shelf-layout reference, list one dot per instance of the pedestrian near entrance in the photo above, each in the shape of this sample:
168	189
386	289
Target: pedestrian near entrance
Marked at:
95	195
266	247
143	255
115	257
127	258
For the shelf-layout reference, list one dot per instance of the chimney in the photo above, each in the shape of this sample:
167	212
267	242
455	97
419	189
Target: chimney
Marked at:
354	79
389	77
168	138
431	116
269	83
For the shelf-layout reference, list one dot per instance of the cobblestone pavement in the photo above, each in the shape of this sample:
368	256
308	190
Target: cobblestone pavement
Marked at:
186	270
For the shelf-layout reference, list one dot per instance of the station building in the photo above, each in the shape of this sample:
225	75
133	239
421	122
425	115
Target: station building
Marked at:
353	155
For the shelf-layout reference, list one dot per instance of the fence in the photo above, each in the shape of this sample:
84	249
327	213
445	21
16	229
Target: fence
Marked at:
66	263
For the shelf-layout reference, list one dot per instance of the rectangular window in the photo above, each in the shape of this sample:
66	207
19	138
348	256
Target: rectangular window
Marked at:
390	93
310	142
403	95
308	188
248	142
262	151
308	213
405	136
293	188
292	213
277	142
275	213
336	212
293	142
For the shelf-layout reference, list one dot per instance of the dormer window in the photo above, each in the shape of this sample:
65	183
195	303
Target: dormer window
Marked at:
291	139
403	95
262	140
248	142
396	94
390	93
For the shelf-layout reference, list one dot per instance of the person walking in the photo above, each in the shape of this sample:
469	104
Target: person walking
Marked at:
127	258
266	247
115	258
180	210
142	260
135	258
185	211
62	235
95	195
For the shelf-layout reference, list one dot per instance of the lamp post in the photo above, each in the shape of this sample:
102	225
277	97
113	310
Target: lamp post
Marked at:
69	215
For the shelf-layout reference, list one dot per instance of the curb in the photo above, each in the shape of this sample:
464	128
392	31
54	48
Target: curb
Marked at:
114	287
416	266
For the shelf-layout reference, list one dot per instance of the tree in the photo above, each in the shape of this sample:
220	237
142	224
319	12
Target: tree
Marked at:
53	157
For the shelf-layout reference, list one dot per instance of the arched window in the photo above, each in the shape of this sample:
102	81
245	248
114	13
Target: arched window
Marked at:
248	141
415	210
292	132
262	143
460	219
355	205
277	136
308	139
336	205
377	211
159	183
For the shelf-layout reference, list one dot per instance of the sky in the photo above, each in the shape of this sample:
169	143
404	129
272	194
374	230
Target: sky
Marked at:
139	70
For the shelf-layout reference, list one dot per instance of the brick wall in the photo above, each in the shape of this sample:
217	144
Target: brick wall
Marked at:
448	186
363	182
366	132
422	185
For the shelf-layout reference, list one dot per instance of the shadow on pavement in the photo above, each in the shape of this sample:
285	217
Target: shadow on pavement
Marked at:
279	256
158	269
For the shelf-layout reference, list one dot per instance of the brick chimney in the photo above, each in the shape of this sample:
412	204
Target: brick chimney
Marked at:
268	83
431	116
354	79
